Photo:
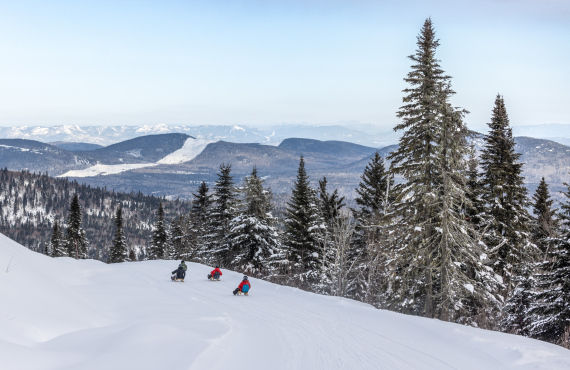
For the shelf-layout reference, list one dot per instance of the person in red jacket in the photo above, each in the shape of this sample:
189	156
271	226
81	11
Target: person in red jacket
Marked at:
243	287
215	274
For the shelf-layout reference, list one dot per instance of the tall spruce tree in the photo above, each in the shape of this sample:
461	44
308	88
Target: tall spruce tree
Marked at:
57	244
550	310
119	249
504	194
416	161
159	244
437	257
223	211
75	240
330	205
200	229
254	237
544	222
179	238
303	232
366	256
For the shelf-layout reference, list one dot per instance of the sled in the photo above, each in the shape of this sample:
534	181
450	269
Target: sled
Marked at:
240	293
212	278
175	279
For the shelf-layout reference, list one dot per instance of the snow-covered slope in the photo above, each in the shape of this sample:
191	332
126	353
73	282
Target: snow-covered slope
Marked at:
66	314
190	149
105	169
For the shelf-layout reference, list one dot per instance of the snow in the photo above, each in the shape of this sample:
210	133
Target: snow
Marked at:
191	148
469	287
67	314
105	169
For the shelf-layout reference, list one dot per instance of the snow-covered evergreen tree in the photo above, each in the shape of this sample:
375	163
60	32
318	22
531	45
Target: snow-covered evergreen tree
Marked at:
550	311
507	225
474	209
57	244
254	237
118	252
179	238
331	260
515	318
367	254
303	232
436	254
223	211
200	233
544	221
75	240
160	239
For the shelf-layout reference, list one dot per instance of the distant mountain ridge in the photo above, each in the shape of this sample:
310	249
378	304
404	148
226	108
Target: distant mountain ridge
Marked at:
75	147
271	135
174	164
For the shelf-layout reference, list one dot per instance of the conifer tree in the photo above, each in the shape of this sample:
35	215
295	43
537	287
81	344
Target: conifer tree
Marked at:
179	239
504	194
118	252
303	232
366	255
201	233
415	160
75	240
330	205
544	223
515	318
159	243
254	237
474	207
223	211
57	247
550	310
436	254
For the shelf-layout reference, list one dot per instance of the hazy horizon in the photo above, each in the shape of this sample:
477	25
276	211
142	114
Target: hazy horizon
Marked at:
257	63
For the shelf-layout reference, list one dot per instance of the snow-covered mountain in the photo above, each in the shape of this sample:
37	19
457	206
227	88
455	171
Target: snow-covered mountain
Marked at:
270	135
83	314
140	152
171	164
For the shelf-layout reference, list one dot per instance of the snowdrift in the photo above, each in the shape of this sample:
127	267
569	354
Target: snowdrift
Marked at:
67	314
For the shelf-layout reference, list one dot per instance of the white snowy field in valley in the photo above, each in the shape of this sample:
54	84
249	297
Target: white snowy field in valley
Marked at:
67	314
191	148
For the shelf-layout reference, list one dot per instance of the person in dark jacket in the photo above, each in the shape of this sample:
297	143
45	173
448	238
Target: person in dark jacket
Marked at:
243	287
180	272
215	274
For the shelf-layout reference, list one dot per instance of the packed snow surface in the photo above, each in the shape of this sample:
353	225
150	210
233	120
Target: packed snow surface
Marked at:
67	314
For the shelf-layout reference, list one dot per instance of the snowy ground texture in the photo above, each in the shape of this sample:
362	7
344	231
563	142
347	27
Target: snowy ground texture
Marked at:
67	314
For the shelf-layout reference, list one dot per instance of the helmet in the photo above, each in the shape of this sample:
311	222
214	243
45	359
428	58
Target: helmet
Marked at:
182	261
244	277
217	266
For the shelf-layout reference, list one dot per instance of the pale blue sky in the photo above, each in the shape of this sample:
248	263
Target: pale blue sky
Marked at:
269	62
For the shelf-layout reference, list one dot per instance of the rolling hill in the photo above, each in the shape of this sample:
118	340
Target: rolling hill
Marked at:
83	314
